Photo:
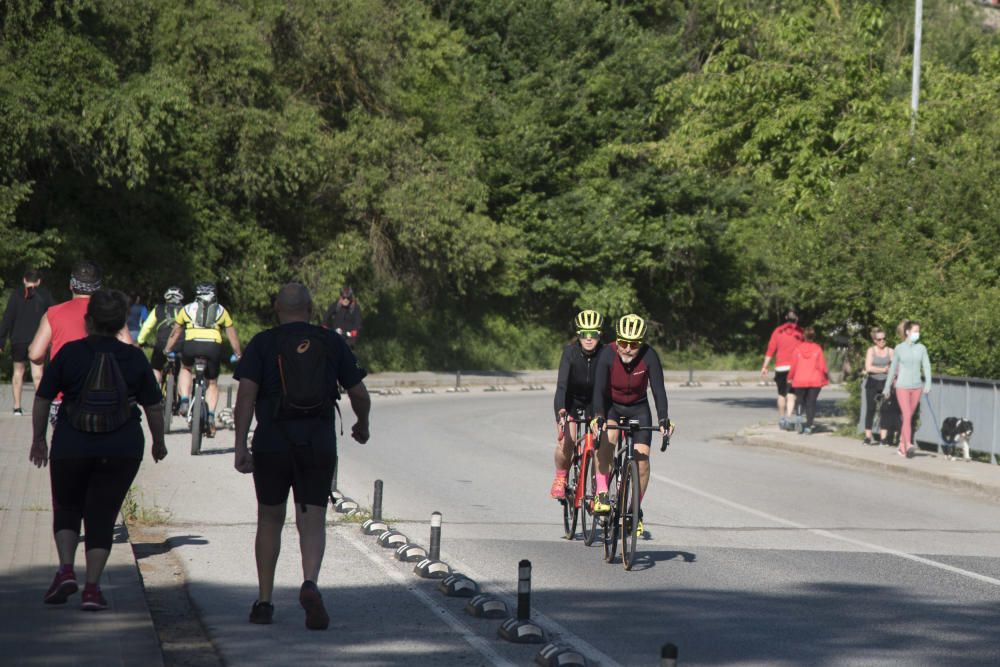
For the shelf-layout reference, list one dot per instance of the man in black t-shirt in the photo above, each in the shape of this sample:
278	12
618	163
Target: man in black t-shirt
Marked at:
25	309
298	454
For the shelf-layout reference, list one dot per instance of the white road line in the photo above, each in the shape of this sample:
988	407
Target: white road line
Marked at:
826	533
471	638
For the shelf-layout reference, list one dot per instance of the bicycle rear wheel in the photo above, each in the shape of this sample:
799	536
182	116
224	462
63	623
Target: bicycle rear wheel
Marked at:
168	401
629	512
612	524
197	406
587	516
570	512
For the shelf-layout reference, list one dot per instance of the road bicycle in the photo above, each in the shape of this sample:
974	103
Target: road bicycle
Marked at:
581	483
168	387
623	494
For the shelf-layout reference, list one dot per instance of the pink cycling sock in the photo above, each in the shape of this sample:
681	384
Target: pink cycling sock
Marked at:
562	473
602	483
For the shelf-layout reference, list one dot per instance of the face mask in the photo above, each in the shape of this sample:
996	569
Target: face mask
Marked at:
915	336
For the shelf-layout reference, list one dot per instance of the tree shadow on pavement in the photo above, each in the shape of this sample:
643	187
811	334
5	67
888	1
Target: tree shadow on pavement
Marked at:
825	407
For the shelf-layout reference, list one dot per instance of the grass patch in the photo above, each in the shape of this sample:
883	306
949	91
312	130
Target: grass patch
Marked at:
136	513
36	508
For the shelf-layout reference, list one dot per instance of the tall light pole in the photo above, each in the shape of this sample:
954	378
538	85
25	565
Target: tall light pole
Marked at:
915	91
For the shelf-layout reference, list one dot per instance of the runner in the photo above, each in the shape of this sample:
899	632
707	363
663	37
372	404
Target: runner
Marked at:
25	310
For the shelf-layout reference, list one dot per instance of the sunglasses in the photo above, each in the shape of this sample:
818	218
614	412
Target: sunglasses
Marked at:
880	340
588	334
630	344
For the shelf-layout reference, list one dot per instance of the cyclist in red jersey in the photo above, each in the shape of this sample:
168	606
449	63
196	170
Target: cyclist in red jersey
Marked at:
624	372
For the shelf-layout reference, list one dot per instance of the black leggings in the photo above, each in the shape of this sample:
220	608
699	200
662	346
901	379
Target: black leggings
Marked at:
873	388
90	490
806	397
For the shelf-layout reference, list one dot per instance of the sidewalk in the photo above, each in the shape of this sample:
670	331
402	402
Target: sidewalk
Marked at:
928	466
33	633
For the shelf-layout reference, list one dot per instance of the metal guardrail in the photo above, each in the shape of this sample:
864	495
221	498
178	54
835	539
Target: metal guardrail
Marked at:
975	399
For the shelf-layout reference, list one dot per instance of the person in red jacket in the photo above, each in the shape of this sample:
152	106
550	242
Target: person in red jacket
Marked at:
808	375
784	340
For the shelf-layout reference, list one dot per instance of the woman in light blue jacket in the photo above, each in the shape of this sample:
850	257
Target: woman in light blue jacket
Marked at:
911	371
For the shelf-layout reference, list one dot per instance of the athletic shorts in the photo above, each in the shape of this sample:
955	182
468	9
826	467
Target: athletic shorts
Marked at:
19	352
157	360
203	348
574	405
306	470
781	381
622	413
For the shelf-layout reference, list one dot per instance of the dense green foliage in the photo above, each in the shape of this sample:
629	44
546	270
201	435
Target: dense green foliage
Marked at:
480	170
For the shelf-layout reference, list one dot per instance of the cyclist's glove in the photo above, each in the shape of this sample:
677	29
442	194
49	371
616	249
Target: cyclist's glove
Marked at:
598	423
233	358
171	355
665	424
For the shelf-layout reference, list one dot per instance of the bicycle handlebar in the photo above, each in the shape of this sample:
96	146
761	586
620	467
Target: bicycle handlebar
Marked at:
634	427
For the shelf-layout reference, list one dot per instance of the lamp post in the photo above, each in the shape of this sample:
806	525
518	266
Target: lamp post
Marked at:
915	89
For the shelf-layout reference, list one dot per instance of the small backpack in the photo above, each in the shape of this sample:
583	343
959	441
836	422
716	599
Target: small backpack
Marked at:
306	391
166	317
206	315
103	405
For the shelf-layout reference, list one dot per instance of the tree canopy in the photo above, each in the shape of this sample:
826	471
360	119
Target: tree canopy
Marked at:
479	171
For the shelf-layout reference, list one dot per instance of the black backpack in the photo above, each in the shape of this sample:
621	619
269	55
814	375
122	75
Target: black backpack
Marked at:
166	317
103	405
303	360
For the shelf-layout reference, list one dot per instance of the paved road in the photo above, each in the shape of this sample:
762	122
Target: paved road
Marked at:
754	556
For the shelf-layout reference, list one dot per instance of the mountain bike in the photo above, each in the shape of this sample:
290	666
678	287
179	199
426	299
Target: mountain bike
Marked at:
581	483
623	494
168	386
198	417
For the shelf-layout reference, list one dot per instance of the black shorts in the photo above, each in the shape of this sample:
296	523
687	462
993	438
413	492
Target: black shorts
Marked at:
19	352
306	470
622	413
157	360
574	405
203	348
781	381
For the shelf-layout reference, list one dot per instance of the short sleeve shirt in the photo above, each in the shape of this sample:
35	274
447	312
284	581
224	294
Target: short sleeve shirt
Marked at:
68	374
259	364
187	317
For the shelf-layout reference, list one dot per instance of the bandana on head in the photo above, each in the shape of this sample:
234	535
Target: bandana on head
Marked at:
81	287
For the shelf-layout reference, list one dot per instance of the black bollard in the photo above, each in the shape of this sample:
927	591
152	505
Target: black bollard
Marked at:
377	501
668	655
435	553
524	590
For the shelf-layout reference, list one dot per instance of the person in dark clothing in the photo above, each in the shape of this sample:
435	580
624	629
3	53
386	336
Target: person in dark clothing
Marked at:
344	317
574	391
625	370
297	453
91	469
25	309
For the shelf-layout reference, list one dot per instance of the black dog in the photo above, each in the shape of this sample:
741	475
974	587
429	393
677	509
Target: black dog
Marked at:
956	432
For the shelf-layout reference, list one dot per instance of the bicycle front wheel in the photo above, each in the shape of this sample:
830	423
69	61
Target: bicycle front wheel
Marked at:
197	406
629	513
570	511
168	401
587	517
612	523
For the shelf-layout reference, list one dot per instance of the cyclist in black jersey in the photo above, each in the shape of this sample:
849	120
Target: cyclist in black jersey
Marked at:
574	391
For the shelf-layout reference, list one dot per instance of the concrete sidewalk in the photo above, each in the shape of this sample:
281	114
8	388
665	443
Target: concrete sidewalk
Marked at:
928	466
33	633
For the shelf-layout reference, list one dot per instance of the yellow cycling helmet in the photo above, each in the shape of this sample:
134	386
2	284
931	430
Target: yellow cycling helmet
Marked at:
588	320
631	328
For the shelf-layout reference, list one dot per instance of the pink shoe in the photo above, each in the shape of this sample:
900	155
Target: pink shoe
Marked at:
93	599
62	587
558	490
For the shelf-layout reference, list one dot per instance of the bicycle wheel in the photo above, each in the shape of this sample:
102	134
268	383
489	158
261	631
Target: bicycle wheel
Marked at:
587	517
197	406
570	511
629	512
611	521
168	401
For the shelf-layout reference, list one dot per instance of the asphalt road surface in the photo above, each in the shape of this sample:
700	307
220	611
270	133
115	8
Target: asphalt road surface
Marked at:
752	556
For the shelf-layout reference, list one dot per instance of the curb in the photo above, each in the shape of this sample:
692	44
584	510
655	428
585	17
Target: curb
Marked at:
991	491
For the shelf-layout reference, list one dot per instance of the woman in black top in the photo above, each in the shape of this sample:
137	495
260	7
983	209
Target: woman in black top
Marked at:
93	463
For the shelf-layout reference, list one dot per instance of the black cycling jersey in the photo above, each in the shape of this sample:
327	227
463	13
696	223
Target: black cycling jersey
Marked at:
575	384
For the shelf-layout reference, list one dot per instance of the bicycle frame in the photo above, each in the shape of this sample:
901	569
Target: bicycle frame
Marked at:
584	450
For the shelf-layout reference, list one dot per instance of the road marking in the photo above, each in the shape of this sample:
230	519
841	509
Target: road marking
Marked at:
826	533
471	638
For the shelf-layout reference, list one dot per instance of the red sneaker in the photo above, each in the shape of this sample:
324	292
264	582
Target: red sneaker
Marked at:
62	587
558	490
93	599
